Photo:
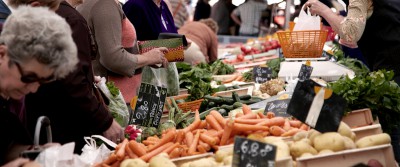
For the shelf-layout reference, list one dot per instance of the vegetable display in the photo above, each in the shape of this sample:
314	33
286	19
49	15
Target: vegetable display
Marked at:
197	81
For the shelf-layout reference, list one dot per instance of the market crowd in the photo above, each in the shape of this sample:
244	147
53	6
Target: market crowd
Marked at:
51	51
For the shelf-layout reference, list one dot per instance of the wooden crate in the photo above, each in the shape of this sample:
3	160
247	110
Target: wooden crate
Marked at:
179	161
359	118
367	131
347	158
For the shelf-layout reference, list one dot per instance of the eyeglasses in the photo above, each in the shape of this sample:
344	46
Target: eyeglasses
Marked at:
32	77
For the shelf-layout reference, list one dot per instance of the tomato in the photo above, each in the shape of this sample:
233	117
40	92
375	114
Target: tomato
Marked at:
240	57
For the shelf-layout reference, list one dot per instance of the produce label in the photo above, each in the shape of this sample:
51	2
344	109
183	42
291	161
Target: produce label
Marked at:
279	107
331	109
148	105
305	72
262	74
251	153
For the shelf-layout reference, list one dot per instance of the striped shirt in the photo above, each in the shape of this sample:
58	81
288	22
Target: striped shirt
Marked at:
179	12
250	15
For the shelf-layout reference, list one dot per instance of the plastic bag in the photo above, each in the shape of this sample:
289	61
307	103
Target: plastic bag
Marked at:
307	22
61	156
91	154
117	106
164	77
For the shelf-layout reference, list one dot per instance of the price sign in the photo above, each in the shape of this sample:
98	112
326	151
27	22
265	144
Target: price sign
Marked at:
262	74
305	72
162	92
147	105
279	107
251	153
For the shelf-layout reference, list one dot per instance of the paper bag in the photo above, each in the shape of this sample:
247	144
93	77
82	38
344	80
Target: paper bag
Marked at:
307	22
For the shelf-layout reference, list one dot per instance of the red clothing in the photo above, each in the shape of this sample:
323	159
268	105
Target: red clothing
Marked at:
203	36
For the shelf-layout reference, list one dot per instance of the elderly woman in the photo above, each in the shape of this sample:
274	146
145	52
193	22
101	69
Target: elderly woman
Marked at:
203	34
35	48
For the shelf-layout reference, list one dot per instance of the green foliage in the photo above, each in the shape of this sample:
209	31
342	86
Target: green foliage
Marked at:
113	89
357	66
375	90
275	65
197	81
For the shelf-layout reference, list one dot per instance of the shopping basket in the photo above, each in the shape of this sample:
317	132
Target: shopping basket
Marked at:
302	44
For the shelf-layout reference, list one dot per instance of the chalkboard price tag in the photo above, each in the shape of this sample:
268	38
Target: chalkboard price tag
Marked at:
305	72
147	106
251	153
279	107
262	74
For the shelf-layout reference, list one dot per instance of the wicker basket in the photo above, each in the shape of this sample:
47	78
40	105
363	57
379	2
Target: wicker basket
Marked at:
302	44
187	106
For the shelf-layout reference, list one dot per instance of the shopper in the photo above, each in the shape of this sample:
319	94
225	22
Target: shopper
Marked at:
36	47
202	10
374	27
106	19
179	12
250	17
220	12
204	45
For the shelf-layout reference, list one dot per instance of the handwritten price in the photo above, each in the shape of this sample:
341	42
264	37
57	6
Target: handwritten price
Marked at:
253	149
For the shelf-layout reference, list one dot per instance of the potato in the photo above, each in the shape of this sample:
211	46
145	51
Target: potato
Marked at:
344	130
228	160
300	135
307	141
137	162
220	155
161	160
353	136
373	140
330	140
312	134
349	143
272	139
282	150
204	162
304	155
300	147
325	152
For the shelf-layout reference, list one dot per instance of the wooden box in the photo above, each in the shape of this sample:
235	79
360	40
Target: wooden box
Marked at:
347	158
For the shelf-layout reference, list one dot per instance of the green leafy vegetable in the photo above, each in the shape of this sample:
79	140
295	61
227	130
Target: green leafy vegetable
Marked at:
375	90
357	66
275	65
113	89
197	81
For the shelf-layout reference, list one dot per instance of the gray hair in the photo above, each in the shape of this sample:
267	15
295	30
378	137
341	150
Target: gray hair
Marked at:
48	3
38	33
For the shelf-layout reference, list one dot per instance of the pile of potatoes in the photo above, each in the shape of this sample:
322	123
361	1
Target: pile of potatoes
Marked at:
312	142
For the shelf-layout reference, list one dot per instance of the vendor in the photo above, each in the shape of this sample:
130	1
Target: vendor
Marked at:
36	47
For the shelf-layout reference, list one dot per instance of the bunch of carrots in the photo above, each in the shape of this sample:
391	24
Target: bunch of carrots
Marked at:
203	135
235	77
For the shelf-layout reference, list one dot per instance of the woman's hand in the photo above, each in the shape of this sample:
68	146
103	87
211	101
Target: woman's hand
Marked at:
24	162
316	7
115	132
157	56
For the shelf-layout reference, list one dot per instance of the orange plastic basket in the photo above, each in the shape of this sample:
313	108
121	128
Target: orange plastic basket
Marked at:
302	44
187	106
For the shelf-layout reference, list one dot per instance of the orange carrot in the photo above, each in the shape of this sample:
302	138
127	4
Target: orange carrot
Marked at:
227	132
246	109
116	163
175	153
192	147
153	138
229	80
213	122
149	142
137	148
261	115
276	130
304	127
291	132
295	123
278	121
169	149
129	152
180	136
208	139
248	116
221	120
270	114
248	121
170	136
189	138
111	159
195	123
286	125
205	145
239	78
155	152
203	124
247	127
238	115
201	149
231	140
212	132
121	152
105	165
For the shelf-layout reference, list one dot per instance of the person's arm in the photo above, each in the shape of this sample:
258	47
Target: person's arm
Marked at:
234	16
213	47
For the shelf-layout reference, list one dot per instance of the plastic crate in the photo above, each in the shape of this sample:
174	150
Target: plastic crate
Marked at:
302	44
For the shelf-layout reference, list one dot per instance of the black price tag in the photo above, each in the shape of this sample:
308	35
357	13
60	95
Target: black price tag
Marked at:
279	107
147	106
262	74
251	153
311	102
305	72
